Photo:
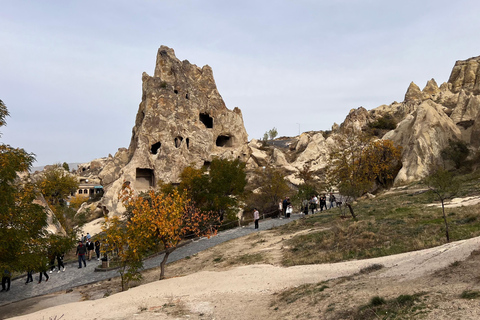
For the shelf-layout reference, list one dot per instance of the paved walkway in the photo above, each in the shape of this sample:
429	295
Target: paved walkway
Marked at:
74	277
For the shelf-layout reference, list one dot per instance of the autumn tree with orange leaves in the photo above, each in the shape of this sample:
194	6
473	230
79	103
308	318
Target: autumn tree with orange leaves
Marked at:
357	163
166	219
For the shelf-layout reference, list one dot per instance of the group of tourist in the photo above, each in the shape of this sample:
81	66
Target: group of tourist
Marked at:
313	204
84	251
318	202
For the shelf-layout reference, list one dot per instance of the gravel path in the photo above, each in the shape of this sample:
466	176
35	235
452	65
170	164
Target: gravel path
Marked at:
74	277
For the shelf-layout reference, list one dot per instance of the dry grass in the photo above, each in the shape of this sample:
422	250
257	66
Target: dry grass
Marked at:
388	224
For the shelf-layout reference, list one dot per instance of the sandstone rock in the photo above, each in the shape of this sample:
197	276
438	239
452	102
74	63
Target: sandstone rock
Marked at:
465	76
181	121
413	93
431	90
355	120
422	134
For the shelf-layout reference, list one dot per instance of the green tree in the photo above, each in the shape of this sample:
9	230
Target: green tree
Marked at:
56	185
123	239
272	133
218	189
457	152
444	185
66	167
267	189
21	220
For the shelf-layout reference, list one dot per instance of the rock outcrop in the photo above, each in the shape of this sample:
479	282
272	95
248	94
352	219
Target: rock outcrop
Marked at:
182	121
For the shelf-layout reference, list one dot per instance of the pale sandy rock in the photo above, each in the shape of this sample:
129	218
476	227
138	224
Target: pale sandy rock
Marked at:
254	143
465	75
355	120
422	134
292	178
315	153
181	121
413	93
260	157
111	170
431	90
279	160
302	142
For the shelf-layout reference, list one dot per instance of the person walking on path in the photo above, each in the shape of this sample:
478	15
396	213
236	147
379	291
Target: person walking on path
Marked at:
29	276
97	249
323	202
81	251
256	217
43	271
90	248
6	279
60	262
332	200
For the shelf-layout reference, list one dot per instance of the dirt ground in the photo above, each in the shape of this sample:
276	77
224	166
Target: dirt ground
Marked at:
216	284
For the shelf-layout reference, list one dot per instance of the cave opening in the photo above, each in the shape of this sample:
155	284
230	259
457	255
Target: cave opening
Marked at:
206	120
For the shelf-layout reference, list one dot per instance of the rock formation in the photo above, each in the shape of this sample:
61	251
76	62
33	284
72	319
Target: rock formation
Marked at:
181	121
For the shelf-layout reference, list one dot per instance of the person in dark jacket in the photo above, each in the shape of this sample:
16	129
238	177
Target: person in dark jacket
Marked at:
97	249
60	262
6	280
81	251
90	248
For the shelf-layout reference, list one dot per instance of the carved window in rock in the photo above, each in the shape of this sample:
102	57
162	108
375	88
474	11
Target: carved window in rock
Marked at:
178	142
207	164
144	179
175	91
224	141
188	142
206	120
155	147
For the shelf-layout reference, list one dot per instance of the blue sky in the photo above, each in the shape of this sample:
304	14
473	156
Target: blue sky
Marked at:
70	71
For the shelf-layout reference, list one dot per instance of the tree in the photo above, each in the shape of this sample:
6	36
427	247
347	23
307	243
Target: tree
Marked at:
356	163
129	247
269	188
166	219
383	161
457	152
272	133
21	220
218	189
444	185
56	185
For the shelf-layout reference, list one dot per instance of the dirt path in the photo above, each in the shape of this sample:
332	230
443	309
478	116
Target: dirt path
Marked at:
251	292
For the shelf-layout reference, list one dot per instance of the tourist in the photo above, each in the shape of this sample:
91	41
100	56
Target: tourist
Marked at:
29	276
90	247
288	207
97	249
256	217
305	206
6	279
81	250
313	204
332	200
323	202
43	271
60	262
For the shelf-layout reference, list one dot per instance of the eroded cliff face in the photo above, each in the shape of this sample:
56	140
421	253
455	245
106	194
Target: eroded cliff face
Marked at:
182	121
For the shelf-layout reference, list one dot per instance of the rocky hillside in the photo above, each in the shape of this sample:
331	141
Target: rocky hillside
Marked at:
182	120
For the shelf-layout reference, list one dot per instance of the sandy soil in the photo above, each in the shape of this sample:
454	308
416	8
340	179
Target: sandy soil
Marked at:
211	285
